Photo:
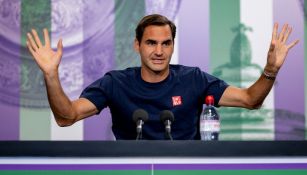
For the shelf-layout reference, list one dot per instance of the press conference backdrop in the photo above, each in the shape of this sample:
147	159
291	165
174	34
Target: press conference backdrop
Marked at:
227	38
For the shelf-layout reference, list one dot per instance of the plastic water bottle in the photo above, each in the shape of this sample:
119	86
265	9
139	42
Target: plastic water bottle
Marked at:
209	121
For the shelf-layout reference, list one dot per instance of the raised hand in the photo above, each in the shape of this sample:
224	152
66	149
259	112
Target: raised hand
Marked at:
47	59
278	49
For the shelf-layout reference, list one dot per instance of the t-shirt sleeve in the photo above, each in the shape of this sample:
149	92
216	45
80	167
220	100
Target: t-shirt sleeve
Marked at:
212	85
99	92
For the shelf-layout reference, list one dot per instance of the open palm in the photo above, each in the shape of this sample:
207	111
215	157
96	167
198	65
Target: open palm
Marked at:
47	59
278	48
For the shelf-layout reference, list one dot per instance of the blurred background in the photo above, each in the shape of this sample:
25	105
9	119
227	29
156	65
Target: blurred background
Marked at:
227	38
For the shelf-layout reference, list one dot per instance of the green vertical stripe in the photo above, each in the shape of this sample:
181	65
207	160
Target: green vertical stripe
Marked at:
34	115
127	16
224	17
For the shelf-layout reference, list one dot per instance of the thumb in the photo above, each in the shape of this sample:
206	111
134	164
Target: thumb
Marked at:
60	48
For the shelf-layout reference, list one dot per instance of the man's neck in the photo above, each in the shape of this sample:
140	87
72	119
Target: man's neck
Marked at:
153	77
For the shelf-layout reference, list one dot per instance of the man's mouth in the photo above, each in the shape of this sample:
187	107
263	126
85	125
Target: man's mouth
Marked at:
158	60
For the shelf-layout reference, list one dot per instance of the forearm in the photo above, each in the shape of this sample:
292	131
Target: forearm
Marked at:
253	97
261	88
60	104
65	111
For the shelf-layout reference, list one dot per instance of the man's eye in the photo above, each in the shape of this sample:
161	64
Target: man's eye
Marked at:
151	43
167	44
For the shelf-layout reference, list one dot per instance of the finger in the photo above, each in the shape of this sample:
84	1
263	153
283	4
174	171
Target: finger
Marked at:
31	49
274	34
293	44
282	33
36	38
46	36
288	32
32	42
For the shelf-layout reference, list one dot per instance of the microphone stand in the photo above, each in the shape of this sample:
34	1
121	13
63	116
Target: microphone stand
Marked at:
139	130
139	116
168	129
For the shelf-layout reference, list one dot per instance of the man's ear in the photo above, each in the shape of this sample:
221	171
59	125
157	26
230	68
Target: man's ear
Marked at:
136	45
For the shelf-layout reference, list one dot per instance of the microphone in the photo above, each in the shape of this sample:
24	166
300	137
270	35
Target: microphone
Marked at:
139	117
167	117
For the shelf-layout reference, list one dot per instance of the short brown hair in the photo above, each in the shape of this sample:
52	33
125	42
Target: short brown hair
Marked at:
154	19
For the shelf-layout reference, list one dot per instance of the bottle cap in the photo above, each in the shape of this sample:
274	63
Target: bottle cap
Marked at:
209	100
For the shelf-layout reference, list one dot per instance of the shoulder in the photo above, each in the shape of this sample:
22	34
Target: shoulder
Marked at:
126	73
182	70
116	76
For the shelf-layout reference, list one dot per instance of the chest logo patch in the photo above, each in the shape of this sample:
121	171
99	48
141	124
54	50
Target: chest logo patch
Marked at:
177	100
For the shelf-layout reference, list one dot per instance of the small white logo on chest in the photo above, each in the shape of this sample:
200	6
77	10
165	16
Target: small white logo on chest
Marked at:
177	100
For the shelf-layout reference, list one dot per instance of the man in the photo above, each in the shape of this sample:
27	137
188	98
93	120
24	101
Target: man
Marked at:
155	86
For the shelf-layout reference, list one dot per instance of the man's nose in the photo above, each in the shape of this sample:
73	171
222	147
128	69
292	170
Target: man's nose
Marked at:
159	50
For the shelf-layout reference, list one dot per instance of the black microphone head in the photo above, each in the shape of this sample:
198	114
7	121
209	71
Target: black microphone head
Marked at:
140	114
167	115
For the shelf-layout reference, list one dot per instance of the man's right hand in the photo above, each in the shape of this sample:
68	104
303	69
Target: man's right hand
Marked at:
66	112
47	59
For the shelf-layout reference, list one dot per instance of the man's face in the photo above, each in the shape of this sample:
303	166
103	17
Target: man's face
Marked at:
156	48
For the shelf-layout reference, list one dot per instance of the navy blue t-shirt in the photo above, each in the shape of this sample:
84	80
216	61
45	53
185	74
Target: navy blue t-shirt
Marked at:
182	92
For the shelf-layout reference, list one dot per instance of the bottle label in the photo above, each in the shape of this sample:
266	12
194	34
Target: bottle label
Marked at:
210	125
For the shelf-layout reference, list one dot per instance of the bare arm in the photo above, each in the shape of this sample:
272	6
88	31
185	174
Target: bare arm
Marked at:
66	112
253	97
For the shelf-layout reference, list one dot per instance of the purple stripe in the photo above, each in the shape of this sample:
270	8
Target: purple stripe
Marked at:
75	167
194	33
10	73
282	166
9	122
99	127
229	166
98	58
289	90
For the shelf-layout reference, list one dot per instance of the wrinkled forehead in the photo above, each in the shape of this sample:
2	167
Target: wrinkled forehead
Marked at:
157	33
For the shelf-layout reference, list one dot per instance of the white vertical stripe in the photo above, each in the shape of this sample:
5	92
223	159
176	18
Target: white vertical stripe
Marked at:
258	14
69	27
175	57
74	132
